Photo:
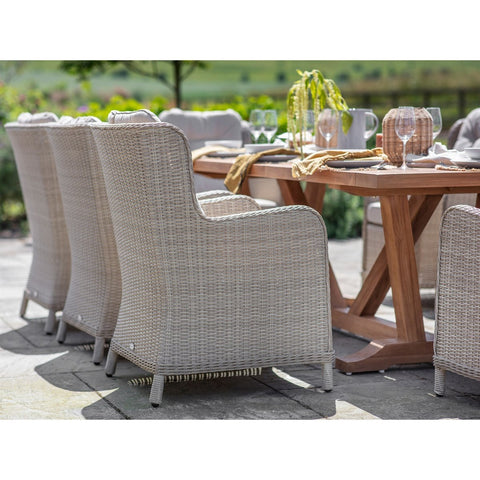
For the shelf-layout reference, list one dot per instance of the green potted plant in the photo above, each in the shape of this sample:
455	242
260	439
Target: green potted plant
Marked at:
313	89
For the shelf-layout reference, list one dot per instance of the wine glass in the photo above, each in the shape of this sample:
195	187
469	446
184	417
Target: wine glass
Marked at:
436	115
270	124
256	124
328	124
405	127
308	134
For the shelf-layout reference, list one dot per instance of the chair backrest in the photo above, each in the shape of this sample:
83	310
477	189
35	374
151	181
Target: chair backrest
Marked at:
200	127
95	287
148	176
453	133
50	271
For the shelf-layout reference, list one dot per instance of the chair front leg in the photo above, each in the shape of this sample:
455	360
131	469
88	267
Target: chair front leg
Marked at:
439	382
51	321
156	393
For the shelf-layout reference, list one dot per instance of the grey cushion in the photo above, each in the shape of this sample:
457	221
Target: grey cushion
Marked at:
374	213
41	117
200	127
134	116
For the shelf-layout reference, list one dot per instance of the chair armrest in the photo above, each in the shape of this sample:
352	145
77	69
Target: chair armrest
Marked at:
295	233
213	194
228	205
457	302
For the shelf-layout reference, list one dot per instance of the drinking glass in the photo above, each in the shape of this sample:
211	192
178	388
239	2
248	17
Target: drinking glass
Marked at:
436	115
270	124
328	124
256	124
405	127
308	134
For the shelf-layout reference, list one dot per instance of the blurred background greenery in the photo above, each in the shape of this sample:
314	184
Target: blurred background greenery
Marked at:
96	88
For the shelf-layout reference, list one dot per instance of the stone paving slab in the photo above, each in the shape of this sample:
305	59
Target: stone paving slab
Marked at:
41	379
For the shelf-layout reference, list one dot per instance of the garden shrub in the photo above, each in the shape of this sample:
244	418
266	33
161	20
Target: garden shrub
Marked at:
342	213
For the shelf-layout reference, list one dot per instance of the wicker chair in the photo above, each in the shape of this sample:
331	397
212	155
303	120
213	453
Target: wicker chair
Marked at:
457	311
200	127
207	294
49	275
94	293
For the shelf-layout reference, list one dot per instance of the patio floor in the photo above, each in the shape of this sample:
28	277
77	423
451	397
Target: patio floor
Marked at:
41	379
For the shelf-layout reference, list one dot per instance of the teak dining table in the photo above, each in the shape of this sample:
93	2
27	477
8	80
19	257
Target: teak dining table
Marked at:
408	198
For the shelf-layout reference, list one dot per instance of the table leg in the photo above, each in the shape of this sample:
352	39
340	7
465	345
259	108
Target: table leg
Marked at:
403	223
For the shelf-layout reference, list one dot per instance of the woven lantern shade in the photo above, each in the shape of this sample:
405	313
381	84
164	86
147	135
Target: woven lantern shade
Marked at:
419	144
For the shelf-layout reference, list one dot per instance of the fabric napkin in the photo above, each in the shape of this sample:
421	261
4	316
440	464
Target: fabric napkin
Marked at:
200	152
318	160
438	154
243	163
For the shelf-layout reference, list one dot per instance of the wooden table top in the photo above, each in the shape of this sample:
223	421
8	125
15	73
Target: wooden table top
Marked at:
361	181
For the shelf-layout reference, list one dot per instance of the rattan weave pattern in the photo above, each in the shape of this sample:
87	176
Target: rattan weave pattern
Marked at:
95	290
457	308
49	274
418	144
205	294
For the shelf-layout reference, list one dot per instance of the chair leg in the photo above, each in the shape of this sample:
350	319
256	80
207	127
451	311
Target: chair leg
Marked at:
51	321
327	370
62	331
156	393
439	382
23	305
98	350
111	363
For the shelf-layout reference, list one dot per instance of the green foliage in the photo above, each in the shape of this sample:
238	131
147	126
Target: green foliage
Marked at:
12	210
342	214
312	91
117	102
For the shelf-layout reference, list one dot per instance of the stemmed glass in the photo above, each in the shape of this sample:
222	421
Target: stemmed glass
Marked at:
405	127
256	124
328	124
308	134
437	121
270	124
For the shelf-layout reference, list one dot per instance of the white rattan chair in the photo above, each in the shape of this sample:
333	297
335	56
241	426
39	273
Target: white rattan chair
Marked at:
94	293
200	127
205	293
457	310
49	275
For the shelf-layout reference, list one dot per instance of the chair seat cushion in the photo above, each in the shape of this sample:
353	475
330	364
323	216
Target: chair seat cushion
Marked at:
374	214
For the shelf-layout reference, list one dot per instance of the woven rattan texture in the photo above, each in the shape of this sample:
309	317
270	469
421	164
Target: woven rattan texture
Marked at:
457	327
50	269
205	294
94	294
418	144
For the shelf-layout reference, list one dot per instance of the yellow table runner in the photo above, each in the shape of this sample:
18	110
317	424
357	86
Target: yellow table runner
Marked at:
318	160
300	168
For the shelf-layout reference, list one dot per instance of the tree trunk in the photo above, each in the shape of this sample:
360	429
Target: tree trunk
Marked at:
177	68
